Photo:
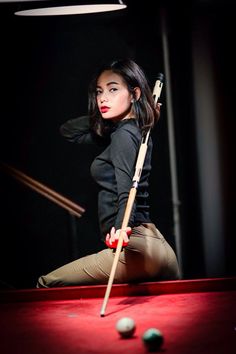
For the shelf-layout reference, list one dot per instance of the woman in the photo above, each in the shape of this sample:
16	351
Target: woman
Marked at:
121	109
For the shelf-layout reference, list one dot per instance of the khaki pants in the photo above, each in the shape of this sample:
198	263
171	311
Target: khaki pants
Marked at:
147	257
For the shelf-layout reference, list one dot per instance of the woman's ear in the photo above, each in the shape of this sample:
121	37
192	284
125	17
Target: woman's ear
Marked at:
137	93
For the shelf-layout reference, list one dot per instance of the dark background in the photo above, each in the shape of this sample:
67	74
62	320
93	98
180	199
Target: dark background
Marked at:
46	64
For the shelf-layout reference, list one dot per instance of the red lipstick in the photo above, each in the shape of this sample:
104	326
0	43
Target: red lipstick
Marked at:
104	109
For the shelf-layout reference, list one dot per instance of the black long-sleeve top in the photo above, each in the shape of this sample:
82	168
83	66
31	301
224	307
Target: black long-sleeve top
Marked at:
113	170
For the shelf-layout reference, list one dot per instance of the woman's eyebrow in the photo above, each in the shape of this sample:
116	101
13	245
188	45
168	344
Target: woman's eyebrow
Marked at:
110	83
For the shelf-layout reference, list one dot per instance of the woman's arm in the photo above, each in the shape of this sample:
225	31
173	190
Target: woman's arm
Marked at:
78	131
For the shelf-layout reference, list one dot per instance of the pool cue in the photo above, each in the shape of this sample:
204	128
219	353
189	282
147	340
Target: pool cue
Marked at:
47	192
131	198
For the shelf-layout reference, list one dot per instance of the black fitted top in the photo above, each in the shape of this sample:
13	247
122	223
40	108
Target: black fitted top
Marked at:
113	170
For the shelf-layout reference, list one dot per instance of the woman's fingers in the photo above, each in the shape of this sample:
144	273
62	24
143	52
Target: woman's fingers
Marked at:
126	234
114	235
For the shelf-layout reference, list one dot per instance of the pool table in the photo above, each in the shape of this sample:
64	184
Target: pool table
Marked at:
194	316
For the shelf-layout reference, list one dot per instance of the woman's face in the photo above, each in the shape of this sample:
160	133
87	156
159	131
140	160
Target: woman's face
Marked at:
113	97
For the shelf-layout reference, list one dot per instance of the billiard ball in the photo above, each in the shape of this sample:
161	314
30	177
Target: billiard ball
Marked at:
152	339
126	327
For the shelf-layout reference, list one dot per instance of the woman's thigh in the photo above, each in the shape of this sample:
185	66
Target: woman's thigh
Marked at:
148	256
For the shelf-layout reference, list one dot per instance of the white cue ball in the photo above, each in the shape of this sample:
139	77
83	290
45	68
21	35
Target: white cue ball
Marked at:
126	327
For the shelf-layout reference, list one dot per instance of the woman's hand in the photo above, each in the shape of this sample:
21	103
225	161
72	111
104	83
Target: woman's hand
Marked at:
113	237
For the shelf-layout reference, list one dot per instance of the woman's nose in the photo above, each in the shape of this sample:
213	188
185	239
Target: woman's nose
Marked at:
103	97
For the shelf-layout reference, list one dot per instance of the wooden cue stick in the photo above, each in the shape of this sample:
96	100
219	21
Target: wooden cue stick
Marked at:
57	198
131	198
129	206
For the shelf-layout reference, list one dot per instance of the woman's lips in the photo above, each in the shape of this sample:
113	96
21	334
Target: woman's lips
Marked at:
104	109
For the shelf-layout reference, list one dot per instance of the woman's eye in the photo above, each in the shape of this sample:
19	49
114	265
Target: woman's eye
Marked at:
113	89
98	92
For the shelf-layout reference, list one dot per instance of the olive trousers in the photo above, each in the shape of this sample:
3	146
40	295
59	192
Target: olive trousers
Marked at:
148	257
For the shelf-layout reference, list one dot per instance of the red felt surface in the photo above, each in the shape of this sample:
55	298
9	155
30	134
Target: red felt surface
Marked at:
198	322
